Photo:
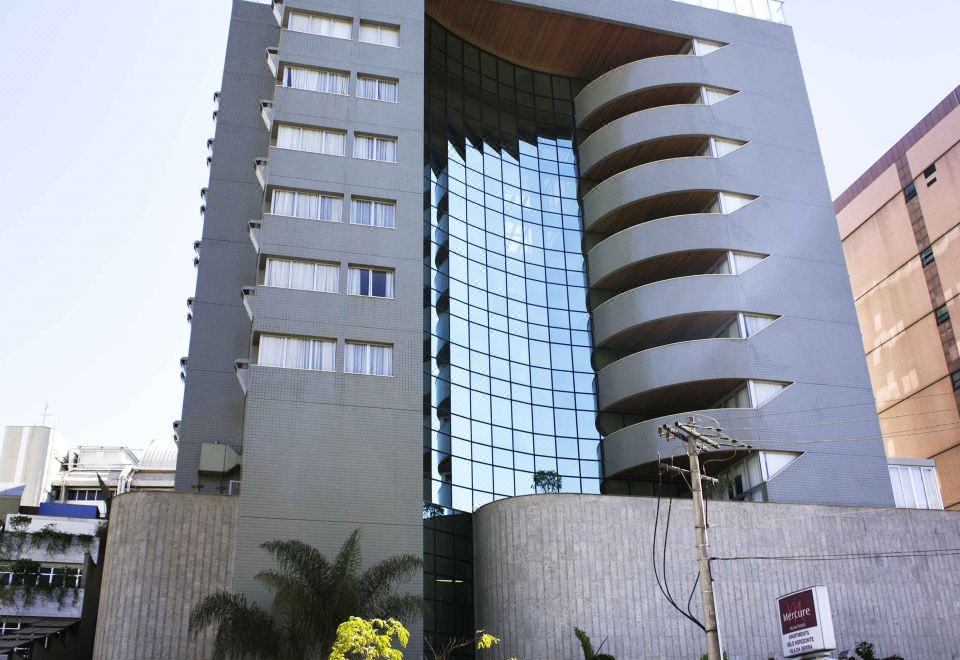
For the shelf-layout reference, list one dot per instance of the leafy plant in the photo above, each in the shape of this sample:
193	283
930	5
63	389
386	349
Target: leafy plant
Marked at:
56	541
866	651
548	481
369	640
312	597
587	645
48	537
25	584
20	523
481	640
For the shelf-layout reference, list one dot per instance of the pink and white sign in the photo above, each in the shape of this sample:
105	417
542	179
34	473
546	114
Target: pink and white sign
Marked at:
806	626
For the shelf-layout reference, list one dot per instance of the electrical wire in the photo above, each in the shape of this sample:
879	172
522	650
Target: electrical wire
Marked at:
654	558
840	421
888	554
666	536
872	402
693	590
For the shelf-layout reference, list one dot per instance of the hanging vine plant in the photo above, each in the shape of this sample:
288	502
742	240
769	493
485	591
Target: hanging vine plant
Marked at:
27	584
47	538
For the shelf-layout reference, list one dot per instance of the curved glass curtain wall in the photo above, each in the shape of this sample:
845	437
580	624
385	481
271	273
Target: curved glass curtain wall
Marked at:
509	387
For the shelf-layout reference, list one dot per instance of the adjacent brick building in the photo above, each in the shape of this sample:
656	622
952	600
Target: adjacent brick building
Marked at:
900	225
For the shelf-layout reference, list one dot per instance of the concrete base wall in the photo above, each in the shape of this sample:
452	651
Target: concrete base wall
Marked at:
164	552
546	563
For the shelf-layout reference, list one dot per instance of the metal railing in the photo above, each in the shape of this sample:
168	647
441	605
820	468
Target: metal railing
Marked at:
767	10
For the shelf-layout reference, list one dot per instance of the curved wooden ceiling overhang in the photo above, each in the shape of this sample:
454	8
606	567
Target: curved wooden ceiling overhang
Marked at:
548	41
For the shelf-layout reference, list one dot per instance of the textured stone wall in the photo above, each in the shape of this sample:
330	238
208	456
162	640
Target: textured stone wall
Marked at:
164	552
546	563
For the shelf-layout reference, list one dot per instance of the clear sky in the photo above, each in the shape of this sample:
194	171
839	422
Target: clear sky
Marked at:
104	126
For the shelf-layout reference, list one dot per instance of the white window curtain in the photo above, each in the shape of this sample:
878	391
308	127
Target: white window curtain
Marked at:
377	89
775	462
704	47
369	359
329	82
744	261
319	141
754	323
711	95
289	274
370	282
307	205
738	399
324	26
297	353
373	213
730	331
384	35
369	147
764	391
730	202
721	147
722	267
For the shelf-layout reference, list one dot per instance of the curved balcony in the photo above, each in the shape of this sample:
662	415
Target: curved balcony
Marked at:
644	253
691	375
635	450
661	133
681	186
683	309
635	86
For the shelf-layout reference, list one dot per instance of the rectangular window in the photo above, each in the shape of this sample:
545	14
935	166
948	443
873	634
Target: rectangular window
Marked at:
84	494
955	377
371	147
306	275
45	575
369	359
943	314
375	33
297	353
314	140
313	206
324	26
370	282
373	213
378	89
910	192
315	80
930	171
915	487
68	577
7	627
927	257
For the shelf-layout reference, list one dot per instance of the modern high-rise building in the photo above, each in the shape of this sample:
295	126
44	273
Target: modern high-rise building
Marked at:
900	224
451	244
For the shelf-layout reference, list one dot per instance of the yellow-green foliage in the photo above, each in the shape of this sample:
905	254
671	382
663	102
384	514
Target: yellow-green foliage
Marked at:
485	641
369	640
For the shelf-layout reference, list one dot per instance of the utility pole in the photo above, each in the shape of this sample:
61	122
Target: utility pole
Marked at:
689	434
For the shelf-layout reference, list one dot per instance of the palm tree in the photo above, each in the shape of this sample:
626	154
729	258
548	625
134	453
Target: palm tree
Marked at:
312	596
587	645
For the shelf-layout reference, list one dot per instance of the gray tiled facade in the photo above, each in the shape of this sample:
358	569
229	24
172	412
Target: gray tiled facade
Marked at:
325	452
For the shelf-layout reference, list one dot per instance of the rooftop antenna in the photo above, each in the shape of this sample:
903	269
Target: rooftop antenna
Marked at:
46	413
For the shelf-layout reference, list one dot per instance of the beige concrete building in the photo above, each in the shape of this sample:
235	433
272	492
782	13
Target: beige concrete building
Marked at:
900	225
